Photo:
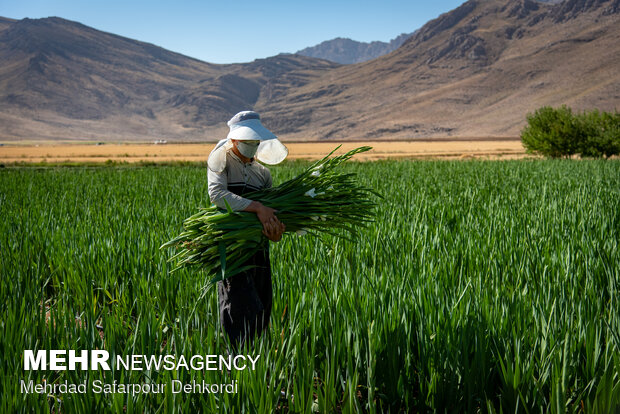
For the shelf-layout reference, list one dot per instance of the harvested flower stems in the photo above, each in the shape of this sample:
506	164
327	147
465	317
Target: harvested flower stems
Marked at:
319	200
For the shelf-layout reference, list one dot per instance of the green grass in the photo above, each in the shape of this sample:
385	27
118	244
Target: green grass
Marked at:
482	286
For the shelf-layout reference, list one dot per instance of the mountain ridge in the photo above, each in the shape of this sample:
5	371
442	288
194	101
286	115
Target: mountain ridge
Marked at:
346	51
67	77
474	71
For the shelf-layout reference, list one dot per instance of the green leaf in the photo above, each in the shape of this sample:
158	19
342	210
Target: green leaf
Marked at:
230	210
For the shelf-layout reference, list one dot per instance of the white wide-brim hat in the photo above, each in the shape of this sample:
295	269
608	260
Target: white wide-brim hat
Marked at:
246	126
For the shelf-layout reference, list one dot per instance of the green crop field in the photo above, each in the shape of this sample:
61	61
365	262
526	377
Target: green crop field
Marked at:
482	286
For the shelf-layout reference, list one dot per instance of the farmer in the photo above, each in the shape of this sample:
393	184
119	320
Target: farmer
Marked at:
245	299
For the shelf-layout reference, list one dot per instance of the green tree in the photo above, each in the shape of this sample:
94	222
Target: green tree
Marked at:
601	132
552	132
558	133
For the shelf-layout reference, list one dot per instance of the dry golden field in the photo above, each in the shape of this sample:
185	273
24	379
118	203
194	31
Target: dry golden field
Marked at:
457	149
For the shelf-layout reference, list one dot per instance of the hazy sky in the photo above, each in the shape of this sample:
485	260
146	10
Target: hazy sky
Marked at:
238	31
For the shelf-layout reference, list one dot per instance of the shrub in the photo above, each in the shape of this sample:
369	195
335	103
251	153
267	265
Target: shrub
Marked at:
601	134
558	133
551	132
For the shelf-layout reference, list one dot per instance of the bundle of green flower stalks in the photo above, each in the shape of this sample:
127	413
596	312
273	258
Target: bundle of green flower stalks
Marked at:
319	200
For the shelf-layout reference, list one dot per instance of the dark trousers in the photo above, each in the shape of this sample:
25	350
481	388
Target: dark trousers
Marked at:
245	301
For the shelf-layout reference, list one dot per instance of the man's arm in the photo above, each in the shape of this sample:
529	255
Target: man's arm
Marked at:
218	192
272	227
275	228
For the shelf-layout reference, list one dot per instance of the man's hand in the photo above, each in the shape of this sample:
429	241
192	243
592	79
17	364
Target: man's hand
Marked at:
272	227
275	235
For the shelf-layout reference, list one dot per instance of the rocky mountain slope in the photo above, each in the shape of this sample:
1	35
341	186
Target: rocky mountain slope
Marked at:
346	51
61	79
474	71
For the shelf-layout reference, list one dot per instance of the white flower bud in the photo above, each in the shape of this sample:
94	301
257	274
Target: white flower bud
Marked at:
310	193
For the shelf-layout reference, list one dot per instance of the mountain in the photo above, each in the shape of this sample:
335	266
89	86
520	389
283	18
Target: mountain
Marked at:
474	71
346	51
61	79
4	22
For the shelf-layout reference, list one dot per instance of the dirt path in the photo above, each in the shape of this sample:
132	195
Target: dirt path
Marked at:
458	149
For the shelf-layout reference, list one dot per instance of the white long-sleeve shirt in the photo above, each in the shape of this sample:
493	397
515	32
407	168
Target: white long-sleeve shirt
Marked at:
236	179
